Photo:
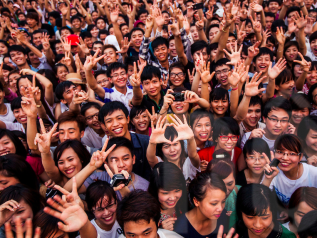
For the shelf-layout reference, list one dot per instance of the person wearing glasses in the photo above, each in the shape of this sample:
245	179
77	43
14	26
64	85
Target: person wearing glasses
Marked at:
222	70
276	115
290	173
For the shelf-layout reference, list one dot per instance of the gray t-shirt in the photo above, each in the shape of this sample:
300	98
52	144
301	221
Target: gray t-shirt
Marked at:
138	183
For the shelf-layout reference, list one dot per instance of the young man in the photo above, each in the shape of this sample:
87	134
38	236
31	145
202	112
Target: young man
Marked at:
115	117
121	158
269	19
37	37
111	55
312	53
152	86
19	56
32	19
138	215
222	70
276	116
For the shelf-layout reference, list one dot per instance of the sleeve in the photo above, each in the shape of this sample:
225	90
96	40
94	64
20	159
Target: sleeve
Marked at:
244	140
144	52
203	155
10	96
184	38
14	126
108	93
92	178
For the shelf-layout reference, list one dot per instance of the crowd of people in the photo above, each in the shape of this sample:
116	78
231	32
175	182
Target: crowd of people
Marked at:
158	118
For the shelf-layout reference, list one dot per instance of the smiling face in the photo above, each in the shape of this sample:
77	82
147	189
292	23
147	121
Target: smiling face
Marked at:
24	212
226	145
202	129
20	115
274	7
172	151
311	140
298	115
194	33
274	128
212	33
91	117
169	199
291	53
213	203
69	130
7	181
6	146
180	107
222	74
110	56
18	57
69	163
121	157
177	77
161	53
141	122
37	39
136	38
262	63
311	77
172	48
117	123
253	115
258	225
3	49
105	212
288	162
286	88
61	73
255	162
152	87
219	107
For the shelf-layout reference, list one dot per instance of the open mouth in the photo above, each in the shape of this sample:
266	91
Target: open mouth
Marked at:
118	130
108	218
4	153
179	108
69	171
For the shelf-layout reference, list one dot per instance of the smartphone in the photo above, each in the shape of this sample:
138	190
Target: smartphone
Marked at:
198	6
274	163
118	179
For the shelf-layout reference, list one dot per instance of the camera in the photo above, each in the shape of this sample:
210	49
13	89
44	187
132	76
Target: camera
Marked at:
118	179
179	97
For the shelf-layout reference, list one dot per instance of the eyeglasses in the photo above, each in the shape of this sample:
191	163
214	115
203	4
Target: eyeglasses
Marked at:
254	158
117	75
224	71
291	155
92	116
274	120
173	75
101	209
226	138
103	81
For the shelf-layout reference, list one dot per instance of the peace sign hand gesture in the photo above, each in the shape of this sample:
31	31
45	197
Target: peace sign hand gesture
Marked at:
43	140
98	158
153	116
135	78
305	66
91	61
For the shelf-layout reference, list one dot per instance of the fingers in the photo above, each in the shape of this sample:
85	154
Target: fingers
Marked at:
108	170
62	190
105	145
43	130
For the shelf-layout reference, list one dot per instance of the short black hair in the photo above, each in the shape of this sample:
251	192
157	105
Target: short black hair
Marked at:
199	45
284	77
225	126
263	51
313	36
120	142
278	1
277	103
255	100
109	108
61	87
159	41
99	72
292	9
269	14
138	205
85	34
278	23
137	29
300	101
257	145
75	17
198	114
54	14
115	66
308	123
221	62
16	103
18	48
88	105
65	28
150	72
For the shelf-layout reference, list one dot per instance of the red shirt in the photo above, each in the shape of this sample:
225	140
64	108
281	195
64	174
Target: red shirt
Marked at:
206	154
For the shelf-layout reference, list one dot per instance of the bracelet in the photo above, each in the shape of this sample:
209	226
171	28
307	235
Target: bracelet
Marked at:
38	106
234	88
163	113
302	6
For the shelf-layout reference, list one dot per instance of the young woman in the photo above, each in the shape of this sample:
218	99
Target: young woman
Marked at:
61	71
208	196
3	49
302	201
93	132
291	173
300	109
170	141
177	75
69	158
15	170
168	186
307	131
256	209
313	99
102	201
284	84
140	120
18	201
94	31
254	161
291	49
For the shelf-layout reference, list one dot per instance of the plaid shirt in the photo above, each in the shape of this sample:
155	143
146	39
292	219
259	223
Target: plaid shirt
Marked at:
145	53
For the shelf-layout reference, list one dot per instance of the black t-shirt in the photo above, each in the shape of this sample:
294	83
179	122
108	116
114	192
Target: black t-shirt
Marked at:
241	179
148	103
185	229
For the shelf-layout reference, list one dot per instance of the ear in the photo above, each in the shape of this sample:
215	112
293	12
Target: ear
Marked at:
133	159
82	134
110	80
117	57
264	119
277	88
63	101
128	119
196	202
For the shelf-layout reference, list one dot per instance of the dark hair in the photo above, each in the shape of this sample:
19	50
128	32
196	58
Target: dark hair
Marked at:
302	194
12	165
269	14
18	48
19	148
284	77
198	114
167	176
299	101
109	108
75	17
78	148
54	14
310	92
292	9
136	110
61	87
159	41
99	72
198	187
137	29
87	106
223	168
256	100
19	192
49	74
120	142
150	72
65	28
308	226
33	15
16	103
278	23
96	191
289	142
256	145
289	44
85	34
277	103
171	134
138	205
225	126
263	51
72	116
219	94
313	36
198	45
113	67
221	62
308	123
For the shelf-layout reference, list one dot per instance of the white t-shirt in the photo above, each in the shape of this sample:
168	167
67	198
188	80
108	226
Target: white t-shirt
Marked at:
115	231
14	126
91	138
163	234
8	117
246	136
284	187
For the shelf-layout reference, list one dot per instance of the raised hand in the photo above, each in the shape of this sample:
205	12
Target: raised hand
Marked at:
205	75
115	168
80	97
257	133
229	235
66	44
168	100
19	229
280	37
235	76
67	61
43	139
200	25
256	24
7	210
135	78
21	37
252	87
190	97
165	81
312	160
73	217
168	224
210	13
64	10
149	22
153	117
268	168
235	54
46	42
98	158
83	46
254	49
305	65
191	75
300	20
125	44
91	61
157	135
175	28
256	7
273	72
183	130
114	14
241	33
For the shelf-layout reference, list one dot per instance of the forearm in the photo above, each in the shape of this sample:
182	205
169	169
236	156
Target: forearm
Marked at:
301	81
31	131
88	230
203	103
195	83
50	167
242	109
80	177
258	36
137	96
300	37
234	101
180	50
267	182
33	49
205	92
192	152
151	154
202	35
117	33
282	13
100	9
222	43
41	111
248	61
263	19
270	89
2	33
279	53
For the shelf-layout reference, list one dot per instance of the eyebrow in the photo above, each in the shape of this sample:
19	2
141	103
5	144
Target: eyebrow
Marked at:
277	117
114	157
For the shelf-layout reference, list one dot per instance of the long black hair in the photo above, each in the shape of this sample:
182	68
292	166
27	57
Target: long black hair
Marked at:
19	147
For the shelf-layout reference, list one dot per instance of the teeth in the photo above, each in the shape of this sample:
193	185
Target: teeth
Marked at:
118	130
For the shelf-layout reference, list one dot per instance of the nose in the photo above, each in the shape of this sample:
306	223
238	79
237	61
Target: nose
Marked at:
257	222
65	136
120	163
